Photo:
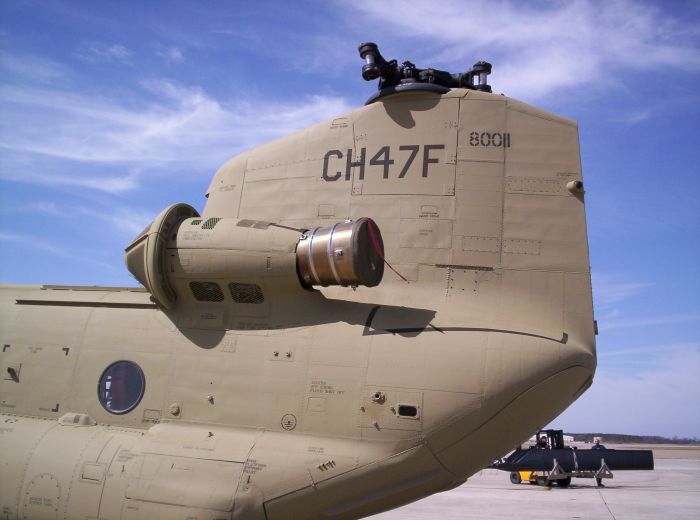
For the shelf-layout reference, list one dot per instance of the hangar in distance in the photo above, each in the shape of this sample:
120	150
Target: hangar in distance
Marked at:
364	313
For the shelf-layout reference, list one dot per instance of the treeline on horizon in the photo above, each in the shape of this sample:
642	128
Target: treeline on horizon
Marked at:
619	438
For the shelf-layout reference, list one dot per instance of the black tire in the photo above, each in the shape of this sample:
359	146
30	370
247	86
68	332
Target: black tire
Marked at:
515	477
564	482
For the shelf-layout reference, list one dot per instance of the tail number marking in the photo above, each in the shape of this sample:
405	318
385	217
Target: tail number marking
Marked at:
497	139
383	158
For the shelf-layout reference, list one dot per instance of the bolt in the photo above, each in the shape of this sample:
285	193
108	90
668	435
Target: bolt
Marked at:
288	354
378	397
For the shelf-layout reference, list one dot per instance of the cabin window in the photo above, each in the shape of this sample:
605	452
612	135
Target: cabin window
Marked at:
121	387
207	291
246	292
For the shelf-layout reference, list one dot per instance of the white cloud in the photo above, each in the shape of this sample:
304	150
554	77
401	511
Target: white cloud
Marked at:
173	55
653	349
100	52
633	117
610	293
661	399
47	208
539	49
174	124
9	237
61	251
94	181
609	290
28	67
647	321
126	220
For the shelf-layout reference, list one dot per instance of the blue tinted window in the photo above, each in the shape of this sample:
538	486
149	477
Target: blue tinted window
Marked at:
121	387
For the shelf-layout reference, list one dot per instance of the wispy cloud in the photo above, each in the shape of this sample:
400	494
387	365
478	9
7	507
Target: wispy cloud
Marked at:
609	290
46	208
123	219
651	349
171	54
633	117
667	389
612	293
99	52
173	123
542	47
61	251
94	180
648	321
29	67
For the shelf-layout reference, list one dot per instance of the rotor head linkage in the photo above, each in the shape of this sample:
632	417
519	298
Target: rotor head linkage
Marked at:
391	74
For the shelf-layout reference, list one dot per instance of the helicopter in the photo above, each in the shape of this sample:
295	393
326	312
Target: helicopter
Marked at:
366	312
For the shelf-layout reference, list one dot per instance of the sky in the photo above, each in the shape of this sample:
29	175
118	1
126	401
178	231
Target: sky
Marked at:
111	111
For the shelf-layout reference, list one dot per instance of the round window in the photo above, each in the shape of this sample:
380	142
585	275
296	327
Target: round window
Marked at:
121	387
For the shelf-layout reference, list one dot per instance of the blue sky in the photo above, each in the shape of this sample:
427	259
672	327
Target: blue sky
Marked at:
110	111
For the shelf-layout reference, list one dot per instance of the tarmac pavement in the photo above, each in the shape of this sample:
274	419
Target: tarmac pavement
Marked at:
671	491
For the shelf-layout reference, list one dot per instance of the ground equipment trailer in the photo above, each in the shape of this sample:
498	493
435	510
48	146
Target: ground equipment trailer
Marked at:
551	461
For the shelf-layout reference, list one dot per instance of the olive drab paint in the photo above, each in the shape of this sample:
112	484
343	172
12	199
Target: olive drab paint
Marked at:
272	368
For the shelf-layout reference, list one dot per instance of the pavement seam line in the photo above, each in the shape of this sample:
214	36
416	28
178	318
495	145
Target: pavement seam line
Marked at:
606	505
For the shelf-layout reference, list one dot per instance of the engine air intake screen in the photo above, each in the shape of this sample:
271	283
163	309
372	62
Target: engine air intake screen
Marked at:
207	291
246	293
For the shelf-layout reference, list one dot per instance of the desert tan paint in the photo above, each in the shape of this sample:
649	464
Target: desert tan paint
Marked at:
290	408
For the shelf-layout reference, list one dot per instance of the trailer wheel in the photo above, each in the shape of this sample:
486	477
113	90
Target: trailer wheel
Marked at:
515	477
564	482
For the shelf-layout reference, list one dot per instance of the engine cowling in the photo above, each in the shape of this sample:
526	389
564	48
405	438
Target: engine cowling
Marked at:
180	247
